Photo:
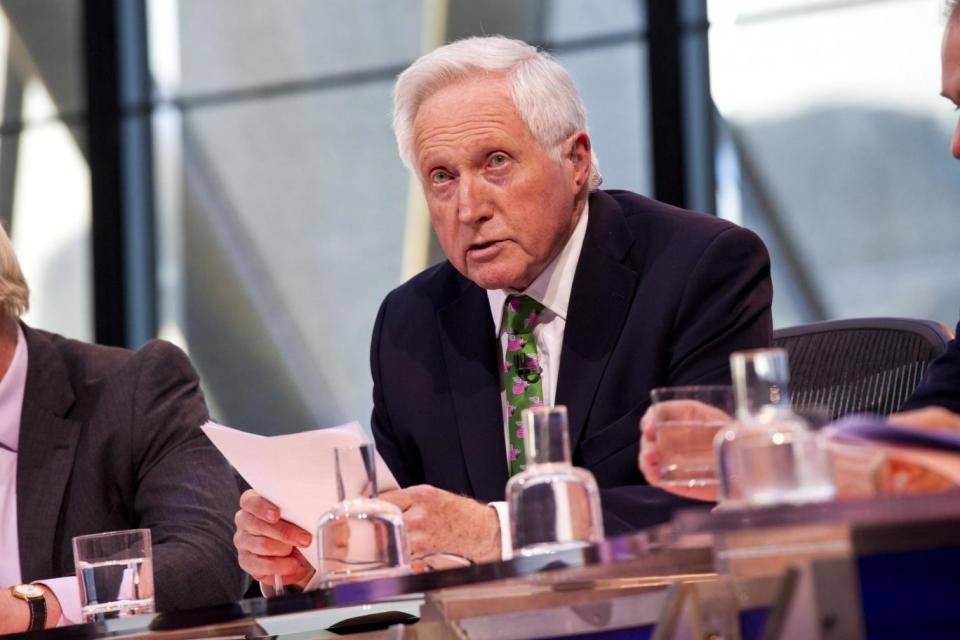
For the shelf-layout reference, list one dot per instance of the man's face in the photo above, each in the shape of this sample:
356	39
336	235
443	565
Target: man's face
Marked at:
950	58
501	204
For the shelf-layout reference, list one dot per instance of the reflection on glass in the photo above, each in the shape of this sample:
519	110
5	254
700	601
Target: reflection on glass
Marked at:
362	537
553	505
769	455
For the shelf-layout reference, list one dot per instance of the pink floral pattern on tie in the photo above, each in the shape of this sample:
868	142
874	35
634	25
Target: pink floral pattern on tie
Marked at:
521	371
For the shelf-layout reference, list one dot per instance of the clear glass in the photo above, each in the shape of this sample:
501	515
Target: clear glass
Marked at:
362	537
769	455
553	505
115	571
687	420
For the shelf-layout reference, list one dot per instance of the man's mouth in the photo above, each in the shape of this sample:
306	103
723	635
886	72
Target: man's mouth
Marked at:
483	250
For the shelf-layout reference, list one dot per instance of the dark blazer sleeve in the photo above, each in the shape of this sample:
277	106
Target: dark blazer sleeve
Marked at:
185	490
941	384
389	443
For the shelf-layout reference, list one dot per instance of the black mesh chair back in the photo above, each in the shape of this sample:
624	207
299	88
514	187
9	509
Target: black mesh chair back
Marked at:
860	365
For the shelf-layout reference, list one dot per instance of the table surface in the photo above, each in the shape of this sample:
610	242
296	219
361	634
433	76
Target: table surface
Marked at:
682	550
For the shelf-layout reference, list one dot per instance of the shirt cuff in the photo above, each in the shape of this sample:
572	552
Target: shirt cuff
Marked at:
67	592
506	544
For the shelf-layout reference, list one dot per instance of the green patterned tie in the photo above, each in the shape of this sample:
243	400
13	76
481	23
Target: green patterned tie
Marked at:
521	371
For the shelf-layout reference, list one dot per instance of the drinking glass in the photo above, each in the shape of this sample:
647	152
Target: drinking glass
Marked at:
769	455
115	571
553	505
361	537
686	421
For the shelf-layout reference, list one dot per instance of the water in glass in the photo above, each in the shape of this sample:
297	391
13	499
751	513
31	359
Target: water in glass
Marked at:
686	421
769	455
361	537
115	588
552	504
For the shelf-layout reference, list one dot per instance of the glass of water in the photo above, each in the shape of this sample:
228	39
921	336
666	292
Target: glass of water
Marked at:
553	505
687	419
770	455
362	537
115	570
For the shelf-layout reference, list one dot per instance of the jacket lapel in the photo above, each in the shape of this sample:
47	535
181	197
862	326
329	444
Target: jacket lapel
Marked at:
48	443
470	354
603	289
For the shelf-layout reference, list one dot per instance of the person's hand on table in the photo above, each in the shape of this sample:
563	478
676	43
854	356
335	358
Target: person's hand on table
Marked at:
673	411
15	613
442	522
927	418
268	546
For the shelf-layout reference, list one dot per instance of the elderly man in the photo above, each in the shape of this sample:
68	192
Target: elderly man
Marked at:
553	293
96	439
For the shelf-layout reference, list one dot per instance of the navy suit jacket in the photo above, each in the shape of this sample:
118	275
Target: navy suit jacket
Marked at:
941	384
661	296
109	440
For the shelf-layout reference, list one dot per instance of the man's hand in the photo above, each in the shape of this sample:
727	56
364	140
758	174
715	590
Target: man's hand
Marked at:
442	522
927	418
673	411
15	613
268	546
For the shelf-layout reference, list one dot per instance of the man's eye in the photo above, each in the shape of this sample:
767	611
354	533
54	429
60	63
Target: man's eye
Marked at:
439	177
498	160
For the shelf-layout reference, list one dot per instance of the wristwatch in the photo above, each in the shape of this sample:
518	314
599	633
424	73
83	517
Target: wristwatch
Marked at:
36	599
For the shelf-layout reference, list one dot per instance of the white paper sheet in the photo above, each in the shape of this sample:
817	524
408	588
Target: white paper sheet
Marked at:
295	471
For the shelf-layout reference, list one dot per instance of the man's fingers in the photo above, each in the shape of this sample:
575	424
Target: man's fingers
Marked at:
260	545
265	567
282	531
259	506
928	417
399	497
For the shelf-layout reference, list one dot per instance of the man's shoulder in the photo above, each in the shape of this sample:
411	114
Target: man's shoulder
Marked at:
87	362
652	216
431	289
661	229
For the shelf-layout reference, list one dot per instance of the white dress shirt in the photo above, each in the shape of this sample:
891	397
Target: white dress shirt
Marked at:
551	289
12	387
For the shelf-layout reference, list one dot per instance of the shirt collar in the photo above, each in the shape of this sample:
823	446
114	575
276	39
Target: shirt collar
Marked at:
552	287
11	394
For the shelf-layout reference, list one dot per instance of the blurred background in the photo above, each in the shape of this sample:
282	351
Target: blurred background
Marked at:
222	173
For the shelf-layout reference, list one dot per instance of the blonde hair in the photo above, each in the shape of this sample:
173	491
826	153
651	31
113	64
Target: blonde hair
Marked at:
14	293
543	92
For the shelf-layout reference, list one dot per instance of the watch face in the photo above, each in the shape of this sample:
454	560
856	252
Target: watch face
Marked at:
28	591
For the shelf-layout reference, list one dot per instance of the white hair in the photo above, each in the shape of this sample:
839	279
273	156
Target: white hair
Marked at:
14	293
543	92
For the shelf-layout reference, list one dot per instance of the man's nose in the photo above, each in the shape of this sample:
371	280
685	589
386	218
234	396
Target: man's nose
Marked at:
472	202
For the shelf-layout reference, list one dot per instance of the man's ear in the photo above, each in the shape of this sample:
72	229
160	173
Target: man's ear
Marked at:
577	148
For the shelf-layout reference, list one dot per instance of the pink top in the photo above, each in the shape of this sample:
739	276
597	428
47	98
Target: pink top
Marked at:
12	388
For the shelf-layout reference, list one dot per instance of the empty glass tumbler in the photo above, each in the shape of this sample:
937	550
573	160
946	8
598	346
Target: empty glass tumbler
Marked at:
553	505
361	537
769	455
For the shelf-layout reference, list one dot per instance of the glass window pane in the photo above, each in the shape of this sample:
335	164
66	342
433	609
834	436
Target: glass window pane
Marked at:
44	176
835	108
229	44
282	213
